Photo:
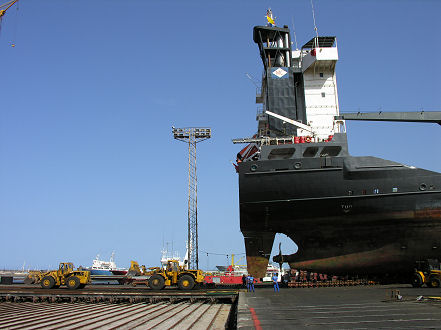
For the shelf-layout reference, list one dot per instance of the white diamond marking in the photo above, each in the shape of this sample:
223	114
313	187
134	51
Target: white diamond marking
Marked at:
280	72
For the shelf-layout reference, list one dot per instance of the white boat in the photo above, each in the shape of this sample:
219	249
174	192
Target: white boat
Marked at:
101	267
271	270
167	255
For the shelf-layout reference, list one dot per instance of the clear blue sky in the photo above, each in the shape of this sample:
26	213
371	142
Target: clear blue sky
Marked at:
89	94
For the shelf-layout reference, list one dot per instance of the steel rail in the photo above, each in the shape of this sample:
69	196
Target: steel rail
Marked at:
215	316
31	314
166	319
76	316
200	316
26	292
156	316
124	311
11	310
36	322
139	324
129	323
176	317
143	315
185	317
144	312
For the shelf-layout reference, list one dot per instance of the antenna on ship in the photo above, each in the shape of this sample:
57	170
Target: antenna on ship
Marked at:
294	31
254	81
315	25
192	136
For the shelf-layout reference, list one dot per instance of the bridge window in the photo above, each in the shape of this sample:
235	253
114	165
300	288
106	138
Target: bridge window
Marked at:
330	151
310	152
281	153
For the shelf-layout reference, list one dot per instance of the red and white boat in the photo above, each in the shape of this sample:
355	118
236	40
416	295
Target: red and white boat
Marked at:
234	273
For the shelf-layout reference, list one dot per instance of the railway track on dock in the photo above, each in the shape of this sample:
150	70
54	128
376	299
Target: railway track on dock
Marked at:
113	294
162	315
111	307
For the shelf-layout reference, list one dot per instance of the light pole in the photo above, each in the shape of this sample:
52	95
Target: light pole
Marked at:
192	136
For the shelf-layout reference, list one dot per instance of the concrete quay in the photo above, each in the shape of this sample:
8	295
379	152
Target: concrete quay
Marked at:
360	307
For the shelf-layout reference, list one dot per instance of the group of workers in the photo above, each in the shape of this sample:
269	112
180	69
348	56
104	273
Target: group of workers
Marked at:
249	281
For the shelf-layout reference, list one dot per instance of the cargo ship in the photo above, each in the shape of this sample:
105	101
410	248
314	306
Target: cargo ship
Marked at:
347	215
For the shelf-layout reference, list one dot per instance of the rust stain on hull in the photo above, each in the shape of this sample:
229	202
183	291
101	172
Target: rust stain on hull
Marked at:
428	214
361	261
257	266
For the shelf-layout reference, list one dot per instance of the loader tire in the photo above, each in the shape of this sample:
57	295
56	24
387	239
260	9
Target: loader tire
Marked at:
434	282
186	282
29	280
156	282
417	281
48	282
73	282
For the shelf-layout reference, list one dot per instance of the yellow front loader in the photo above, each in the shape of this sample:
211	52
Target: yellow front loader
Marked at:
173	275
65	275
426	273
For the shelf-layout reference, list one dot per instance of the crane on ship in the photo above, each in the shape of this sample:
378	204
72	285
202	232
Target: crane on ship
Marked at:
232	255
4	7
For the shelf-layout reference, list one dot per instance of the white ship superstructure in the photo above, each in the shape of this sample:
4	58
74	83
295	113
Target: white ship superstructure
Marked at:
317	61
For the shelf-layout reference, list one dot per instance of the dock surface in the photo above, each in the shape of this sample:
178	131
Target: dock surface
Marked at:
361	307
114	307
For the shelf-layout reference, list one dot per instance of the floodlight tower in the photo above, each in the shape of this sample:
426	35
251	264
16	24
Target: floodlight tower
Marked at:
192	136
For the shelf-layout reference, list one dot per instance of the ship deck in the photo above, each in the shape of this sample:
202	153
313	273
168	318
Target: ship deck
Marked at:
361	307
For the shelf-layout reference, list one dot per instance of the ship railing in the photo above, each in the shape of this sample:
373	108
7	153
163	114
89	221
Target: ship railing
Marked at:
339	126
260	114
266	140
258	91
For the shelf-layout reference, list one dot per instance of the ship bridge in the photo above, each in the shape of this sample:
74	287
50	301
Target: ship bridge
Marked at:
299	87
317	60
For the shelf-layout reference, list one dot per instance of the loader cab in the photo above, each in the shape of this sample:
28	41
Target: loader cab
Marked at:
172	266
65	267
426	266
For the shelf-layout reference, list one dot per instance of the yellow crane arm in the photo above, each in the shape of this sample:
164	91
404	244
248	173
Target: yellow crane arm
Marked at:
7	5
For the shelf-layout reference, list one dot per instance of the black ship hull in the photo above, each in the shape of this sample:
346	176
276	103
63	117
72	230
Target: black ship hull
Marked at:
347	215
352	215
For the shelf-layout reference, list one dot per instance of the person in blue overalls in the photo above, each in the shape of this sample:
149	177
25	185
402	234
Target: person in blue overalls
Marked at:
247	280
251	282
276	284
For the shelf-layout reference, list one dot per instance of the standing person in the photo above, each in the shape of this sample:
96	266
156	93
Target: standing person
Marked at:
247	280
276	284
251	281
244	280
